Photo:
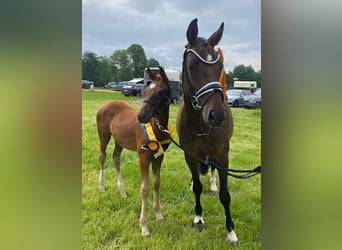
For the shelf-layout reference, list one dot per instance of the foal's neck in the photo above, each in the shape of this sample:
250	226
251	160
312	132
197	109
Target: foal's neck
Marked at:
164	117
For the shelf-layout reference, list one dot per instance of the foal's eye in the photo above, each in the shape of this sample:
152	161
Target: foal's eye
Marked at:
161	93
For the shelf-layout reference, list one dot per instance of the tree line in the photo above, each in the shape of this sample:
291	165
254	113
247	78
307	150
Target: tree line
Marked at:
125	64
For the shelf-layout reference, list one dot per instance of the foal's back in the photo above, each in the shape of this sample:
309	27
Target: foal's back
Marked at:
120	120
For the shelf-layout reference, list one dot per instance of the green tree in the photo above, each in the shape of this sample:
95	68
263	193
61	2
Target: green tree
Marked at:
229	79
90	67
244	73
138	58
121	67
258	78
105	74
152	62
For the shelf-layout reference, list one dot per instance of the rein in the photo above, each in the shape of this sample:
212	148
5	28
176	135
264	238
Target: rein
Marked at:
216	164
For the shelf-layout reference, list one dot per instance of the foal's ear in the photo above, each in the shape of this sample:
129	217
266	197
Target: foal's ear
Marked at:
192	31
151	74
215	38
163	74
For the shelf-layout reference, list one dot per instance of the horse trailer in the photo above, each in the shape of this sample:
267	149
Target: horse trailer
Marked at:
175	82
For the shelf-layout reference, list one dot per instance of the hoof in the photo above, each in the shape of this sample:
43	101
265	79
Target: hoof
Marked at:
213	188
198	226
145	232
159	216
102	189
123	195
232	238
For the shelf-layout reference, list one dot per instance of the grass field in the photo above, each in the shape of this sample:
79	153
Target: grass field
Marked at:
112	222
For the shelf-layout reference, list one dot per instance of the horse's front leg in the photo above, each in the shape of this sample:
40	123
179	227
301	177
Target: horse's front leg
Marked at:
144	192
225	200
197	187
156	165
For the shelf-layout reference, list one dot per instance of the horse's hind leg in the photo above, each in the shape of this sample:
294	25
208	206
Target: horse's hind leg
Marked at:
213	186
103	146
116	159
225	200
156	165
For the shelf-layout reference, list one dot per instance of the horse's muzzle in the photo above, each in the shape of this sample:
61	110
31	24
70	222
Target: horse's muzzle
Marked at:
143	117
216	117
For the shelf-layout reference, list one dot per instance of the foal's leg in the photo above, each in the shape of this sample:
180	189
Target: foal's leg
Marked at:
104	139
156	165
144	191
116	159
197	189
225	200
213	186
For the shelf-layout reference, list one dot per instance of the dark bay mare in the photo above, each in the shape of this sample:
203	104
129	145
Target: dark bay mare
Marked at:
124	123
204	122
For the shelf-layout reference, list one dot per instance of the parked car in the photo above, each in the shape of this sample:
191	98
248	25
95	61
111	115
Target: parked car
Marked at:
253	100
236	97
87	84
120	85
134	89
110	85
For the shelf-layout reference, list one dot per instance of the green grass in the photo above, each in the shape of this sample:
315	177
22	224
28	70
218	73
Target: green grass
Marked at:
112	222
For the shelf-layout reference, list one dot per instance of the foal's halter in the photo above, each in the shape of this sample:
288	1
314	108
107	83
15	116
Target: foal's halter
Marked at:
210	88
164	103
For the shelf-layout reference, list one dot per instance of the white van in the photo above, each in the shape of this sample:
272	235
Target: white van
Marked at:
251	85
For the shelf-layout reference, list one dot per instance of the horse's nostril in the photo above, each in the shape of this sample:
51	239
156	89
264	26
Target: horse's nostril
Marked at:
215	118
211	116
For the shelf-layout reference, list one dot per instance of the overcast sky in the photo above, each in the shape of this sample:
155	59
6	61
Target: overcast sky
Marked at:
159	26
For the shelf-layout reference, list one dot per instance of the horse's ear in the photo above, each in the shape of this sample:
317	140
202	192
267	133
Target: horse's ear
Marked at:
151	74
215	38
163	74
192	31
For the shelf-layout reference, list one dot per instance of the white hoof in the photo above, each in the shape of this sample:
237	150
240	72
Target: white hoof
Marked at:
159	216
144	231
102	189
213	188
232	238
123	193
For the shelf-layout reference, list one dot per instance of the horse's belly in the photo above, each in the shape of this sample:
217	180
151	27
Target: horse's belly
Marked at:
124	134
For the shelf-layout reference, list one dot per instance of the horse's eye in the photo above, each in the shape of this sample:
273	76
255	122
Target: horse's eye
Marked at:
193	66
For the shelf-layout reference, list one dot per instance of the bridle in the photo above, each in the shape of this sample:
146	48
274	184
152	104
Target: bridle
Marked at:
209	88
164	103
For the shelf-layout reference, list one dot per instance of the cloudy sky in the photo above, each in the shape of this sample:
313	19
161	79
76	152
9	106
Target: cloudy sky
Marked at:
159	26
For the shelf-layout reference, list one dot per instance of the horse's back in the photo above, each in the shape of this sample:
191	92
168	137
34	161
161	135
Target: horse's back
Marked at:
119	119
